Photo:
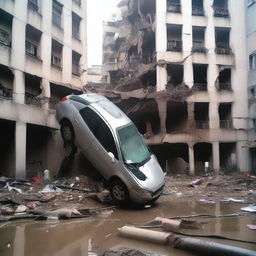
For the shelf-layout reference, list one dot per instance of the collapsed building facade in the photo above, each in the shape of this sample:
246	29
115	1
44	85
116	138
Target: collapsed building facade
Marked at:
178	69
43	58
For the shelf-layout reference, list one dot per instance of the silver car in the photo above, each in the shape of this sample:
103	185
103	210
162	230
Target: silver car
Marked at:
112	143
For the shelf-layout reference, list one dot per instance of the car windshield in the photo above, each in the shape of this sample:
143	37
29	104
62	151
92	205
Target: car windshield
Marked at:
132	144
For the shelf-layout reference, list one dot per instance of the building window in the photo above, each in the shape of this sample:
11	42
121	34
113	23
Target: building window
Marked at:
250	2
252	61
78	2
173	6
31	48
4	37
56	59
221	8
56	13
33	5
222	36
75	63
33	39
75	26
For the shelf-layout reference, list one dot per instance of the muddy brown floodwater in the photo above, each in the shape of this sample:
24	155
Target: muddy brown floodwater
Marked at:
93	236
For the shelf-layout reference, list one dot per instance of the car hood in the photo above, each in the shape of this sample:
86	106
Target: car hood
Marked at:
154	173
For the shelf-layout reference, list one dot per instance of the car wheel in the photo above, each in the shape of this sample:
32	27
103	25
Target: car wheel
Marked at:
67	131
119	191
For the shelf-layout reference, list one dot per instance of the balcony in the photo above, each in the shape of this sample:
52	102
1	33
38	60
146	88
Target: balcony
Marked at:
202	87
223	50
31	99
221	12
202	124
174	45
174	8
226	124
225	86
198	46
197	11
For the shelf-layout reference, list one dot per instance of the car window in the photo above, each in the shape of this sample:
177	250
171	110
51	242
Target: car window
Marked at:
100	130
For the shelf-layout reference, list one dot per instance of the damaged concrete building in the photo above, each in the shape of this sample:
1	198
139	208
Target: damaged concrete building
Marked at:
178	69
43	58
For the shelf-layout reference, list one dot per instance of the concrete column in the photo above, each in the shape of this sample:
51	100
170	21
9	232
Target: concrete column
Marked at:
67	47
191	118
214	115
187	42
242	156
20	150
191	159
161	42
18	35
83	61
162	110
161	74
46	93
18	87
216	157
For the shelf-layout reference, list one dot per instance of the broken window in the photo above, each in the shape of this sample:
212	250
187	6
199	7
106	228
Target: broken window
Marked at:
201	115
148	80
200	76
220	8
6	82
177	117
5	28
222	40
175	74
56	59
197	7
199	39
225	114
32	90
33	38
203	157
33	5
56	13
75	26
173	6
174	35
225	79
228	160
252	61
75	63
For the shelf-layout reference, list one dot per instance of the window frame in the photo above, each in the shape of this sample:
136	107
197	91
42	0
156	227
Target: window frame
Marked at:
250	2
57	9
33	5
4	37
32	46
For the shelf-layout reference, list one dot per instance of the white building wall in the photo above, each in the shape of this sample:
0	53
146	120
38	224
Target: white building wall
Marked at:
19	63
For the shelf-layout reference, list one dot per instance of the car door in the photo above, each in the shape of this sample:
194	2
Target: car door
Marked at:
96	141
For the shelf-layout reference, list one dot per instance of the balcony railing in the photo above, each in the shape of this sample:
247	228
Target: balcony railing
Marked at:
174	45
226	124
174	7
198	11
202	124
198	46
31	99
200	86
221	12
225	86
224	50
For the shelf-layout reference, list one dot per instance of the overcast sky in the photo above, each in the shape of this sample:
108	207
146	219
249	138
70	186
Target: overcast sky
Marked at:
98	10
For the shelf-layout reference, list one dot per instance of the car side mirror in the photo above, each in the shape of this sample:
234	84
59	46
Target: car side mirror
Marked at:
111	155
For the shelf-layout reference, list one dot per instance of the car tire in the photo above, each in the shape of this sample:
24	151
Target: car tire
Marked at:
119	191
67	132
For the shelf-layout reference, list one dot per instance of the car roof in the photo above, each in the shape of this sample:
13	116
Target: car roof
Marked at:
108	110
